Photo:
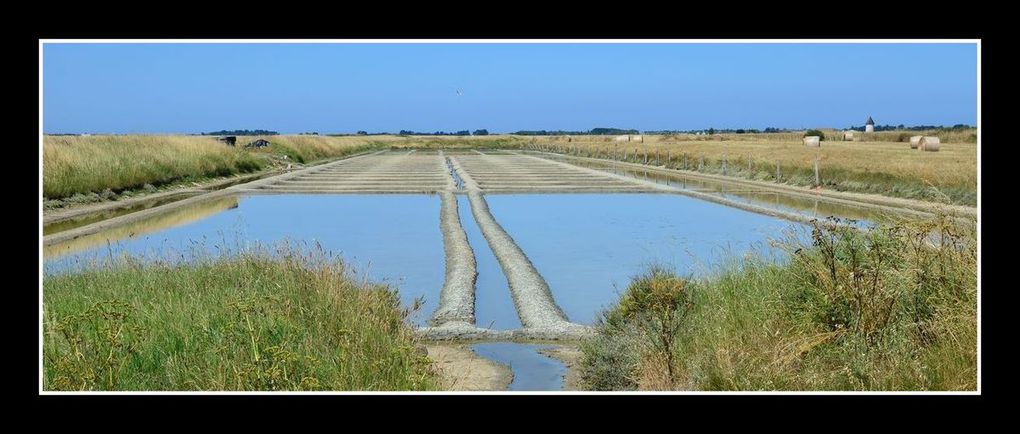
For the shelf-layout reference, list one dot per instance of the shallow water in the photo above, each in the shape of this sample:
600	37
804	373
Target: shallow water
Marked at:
812	207
392	239
72	223
494	308
589	246
532	370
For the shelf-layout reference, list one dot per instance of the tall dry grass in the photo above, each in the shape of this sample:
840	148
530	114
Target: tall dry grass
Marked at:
888	168
81	165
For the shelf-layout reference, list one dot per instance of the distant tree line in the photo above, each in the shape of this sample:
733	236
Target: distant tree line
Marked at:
437	133
913	128
242	133
592	132
720	131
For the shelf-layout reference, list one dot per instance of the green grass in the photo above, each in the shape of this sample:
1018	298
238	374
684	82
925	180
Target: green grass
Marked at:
284	320
893	308
81	169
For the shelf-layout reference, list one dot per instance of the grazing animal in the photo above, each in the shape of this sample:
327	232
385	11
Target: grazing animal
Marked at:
229	140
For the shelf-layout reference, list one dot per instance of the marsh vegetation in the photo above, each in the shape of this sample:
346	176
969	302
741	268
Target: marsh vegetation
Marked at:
285	318
891	308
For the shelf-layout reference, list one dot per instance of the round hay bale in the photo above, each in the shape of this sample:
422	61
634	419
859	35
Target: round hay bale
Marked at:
915	141
929	143
812	141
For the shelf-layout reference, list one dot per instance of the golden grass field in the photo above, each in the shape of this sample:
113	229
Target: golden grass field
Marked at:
890	168
80	165
75	165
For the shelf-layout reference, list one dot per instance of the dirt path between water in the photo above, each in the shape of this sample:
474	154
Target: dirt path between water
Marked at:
463	370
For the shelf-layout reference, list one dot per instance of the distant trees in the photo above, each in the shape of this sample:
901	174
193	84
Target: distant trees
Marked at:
592	132
611	131
362	133
913	128
821	135
482	132
437	133
549	133
242	133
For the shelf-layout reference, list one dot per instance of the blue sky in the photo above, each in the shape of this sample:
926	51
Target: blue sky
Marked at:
291	88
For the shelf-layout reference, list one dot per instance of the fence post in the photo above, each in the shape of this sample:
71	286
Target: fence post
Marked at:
777	170
685	161
668	159
724	164
701	163
818	182
646	157
748	163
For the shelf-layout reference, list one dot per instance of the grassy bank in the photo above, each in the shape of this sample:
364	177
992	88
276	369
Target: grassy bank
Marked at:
296	321
93	168
886	168
894	308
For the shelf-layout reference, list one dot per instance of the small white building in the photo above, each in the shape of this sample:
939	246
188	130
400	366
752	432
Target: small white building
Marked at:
869	126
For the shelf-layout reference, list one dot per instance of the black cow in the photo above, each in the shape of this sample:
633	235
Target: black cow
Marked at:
230	140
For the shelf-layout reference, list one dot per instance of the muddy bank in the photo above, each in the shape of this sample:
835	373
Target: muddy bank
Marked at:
570	356
457	299
149	212
463	370
74	216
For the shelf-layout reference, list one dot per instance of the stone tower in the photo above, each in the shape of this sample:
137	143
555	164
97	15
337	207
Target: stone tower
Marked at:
869	126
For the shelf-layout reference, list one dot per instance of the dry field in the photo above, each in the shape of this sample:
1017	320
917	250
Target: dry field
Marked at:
889	168
75	166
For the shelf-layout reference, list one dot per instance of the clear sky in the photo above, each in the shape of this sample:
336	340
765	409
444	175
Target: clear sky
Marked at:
291	88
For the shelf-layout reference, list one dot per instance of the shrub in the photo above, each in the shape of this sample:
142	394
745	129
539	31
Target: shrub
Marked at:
819	133
891	307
